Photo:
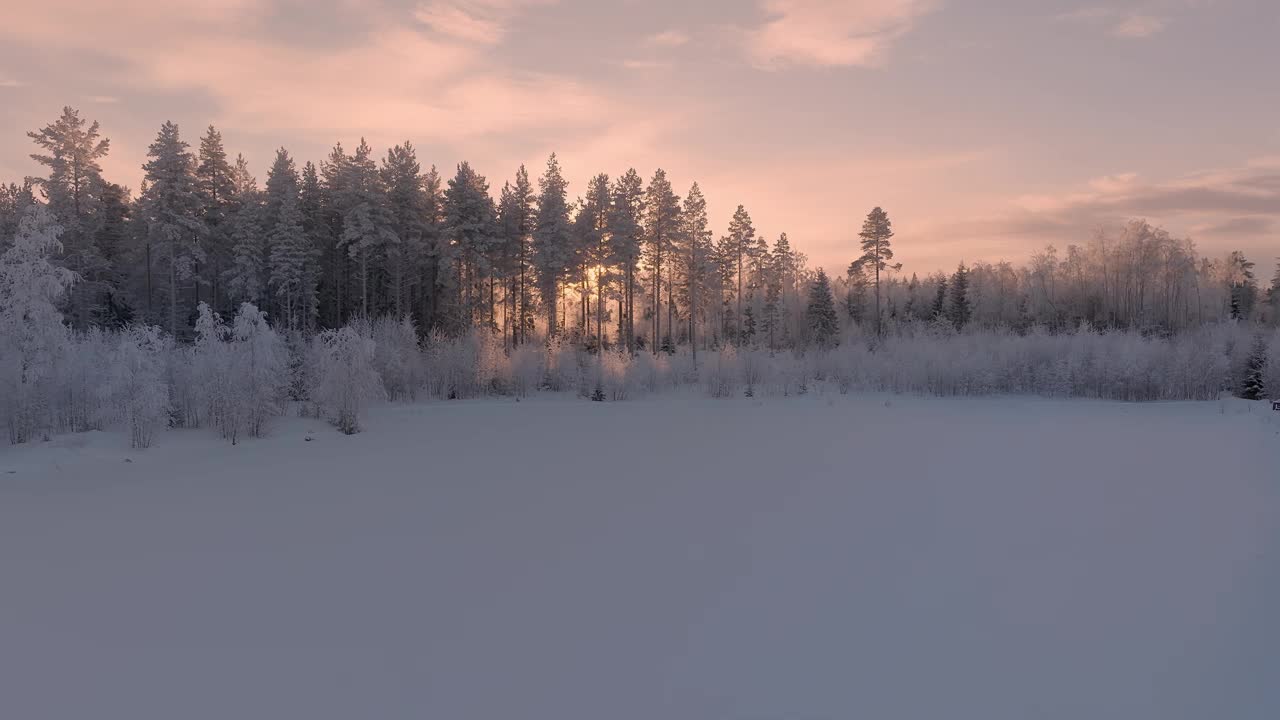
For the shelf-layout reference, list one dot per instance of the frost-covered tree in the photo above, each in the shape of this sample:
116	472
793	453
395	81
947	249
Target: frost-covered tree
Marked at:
960	310
260	368
311	204
661	229
344	376
1254	385
821	313
291	257
70	150
136	385
1242	285
552	238
397	357
245	279
171	209
32	336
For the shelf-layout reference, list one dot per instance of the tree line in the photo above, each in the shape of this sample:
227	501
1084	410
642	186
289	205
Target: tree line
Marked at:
628	264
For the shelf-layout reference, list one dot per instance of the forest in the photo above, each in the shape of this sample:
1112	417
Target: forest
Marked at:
207	299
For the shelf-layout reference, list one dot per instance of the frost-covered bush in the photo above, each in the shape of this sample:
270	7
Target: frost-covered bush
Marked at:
344	376
80	373
32	336
722	372
135	384
259	370
526	363
398	358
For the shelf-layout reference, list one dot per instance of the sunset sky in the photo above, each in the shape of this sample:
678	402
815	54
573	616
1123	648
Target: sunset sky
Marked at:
986	128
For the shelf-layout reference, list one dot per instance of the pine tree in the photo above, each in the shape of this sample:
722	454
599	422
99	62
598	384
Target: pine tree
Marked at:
960	310
738	245
216	188
695	259
245	279
1273	296
552	237
289	249
366	223
314	227
171	205
821	313
593	217
470	225
627	231
876	252
71	152
436	251
115	229
939	308
661	225
1243	286
406	201
1253	387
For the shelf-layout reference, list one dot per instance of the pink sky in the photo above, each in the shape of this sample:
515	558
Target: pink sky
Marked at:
986	128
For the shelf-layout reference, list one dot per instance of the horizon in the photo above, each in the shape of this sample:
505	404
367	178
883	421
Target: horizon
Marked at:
763	104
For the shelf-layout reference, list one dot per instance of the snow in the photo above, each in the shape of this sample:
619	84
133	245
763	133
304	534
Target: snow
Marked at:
819	557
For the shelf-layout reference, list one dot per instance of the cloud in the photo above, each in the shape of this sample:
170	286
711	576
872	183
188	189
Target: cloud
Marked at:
646	64
10	83
1221	209
1139	26
667	38
476	21
102	99
831	33
1117	22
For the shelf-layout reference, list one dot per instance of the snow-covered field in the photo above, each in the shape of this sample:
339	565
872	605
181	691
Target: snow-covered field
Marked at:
805	558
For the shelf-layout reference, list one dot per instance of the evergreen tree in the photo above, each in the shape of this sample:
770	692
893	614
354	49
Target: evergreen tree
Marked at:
1243	286
855	300
662	226
216	187
695	259
738	244
469	222
171	205
876	252
245	279
366	223
289	252
406	201
113	242
552	238
939	308
436	251
960	310
593	219
14	201
1253	387
626	233
821	313
71	152
314	227
1273	296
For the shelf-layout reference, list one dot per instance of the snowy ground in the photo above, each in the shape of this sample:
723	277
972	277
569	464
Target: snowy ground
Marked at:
811	558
